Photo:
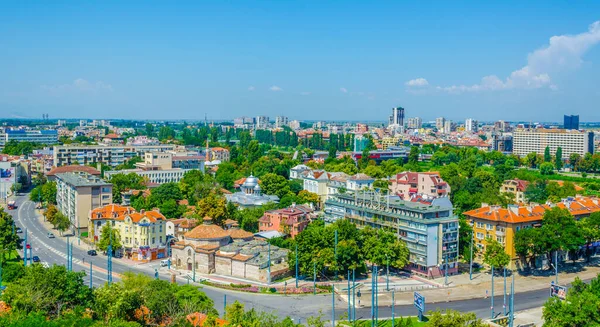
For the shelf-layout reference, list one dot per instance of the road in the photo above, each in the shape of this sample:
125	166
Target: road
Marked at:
53	251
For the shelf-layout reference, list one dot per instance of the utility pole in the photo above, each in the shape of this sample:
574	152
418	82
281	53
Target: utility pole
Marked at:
335	253
224	304
492	307
393	305
446	270
109	258
387	273
353	295
512	299
504	305
25	250
372	296
349	312
471	261
314	278
91	275
269	267
296	264
556	266
332	305
68	255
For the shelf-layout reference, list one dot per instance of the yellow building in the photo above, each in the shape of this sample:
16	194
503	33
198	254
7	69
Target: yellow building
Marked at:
142	234
501	224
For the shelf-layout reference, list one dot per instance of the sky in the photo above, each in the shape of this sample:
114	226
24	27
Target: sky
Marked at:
308	60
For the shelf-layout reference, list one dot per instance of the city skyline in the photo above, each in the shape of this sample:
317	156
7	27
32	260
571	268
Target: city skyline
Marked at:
310	61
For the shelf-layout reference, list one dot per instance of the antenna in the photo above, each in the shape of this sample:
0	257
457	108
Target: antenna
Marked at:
205	120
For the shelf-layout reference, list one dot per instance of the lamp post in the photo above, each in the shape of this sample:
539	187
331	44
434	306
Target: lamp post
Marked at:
492	306
25	250
353	295
109	258
504	304
332	305
269	267
349	312
387	273
296	264
335	253
446	270
91	275
471	264
68	255
314	278
556	266
393	305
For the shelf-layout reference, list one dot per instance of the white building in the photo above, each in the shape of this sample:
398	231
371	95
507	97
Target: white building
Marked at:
34	136
440	123
262	122
526	141
281	121
448	127
396	118
471	125
294	124
414	123
111	155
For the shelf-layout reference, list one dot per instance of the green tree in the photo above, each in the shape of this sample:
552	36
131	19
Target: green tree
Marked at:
109	235
49	192
413	156
495	255
61	222
580	309
215	207
451	318
547	155
536	192
558	162
547	168
9	241
275	184
124	182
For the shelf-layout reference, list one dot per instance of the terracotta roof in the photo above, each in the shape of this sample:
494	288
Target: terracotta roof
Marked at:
237	234
112	136
183	202
208	232
241	257
152	215
110	211
229	222
73	168
185	222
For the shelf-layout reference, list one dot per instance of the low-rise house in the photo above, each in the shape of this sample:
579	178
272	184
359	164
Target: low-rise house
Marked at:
407	184
143	234
290	221
516	187
178	227
359	181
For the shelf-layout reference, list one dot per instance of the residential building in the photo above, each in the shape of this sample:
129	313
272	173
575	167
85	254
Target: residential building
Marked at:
143	234
526	141
51	175
517	188
250	195
429	227
262	122
243	122
297	171
571	122
440	123
281	121
361	128
408	184
359	182
34	136
315	181
218	153
471	125
448	127
414	123
501	224
188	162
77	193
294	124
360	143
290	221
178	227
108	155
502	126
396	118
392	152
502	143
142	140
209	249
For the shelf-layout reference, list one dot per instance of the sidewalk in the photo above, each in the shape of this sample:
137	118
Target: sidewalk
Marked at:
529	316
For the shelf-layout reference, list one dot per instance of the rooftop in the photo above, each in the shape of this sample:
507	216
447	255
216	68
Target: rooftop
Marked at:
78	179
72	169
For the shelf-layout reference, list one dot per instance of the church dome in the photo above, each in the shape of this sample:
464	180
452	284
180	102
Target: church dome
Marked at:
250	182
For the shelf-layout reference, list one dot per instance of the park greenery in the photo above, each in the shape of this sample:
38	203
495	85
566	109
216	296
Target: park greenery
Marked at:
581	308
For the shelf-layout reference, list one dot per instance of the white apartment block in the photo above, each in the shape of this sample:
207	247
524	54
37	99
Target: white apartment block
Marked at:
471	125
109	155
526	141
281	121
262	122
414	123
440	123
79	193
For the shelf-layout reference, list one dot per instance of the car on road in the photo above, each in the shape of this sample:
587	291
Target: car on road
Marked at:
92	252
164	263
35	258
19	230
50	235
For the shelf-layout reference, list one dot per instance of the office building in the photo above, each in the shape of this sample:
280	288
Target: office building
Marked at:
414	123
142	234
262	122
502	126
396	119
79	193
111	155
571	122
429	227
34	136
281	121
440	122
526	141
471	125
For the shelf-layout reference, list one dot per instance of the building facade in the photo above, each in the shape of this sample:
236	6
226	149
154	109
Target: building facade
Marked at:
526	141
408	184
78	193
397	117
571	122
414	123
108	155
290	221
429	228
517	188
471	125
281	121
34	136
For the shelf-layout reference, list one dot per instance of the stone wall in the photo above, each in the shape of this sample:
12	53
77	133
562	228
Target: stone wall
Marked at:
223	265
238	268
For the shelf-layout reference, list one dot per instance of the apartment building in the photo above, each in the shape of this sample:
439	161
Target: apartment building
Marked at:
34	136
77	193
290	221
414	123
526	141
471	125
409	184
429	227
143	234
516	187
501	224
262	122
108	155
440	122
281	121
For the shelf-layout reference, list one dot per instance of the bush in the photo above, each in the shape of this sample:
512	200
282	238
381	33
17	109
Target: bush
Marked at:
12	271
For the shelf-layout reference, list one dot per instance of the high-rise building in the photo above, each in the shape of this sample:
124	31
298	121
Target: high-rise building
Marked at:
294	124
262	122
281	121
448	127
571	122
440	123
526	141
397	117
502	126
414	123
471	125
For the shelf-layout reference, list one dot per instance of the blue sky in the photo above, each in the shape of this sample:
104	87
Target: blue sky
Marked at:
308	60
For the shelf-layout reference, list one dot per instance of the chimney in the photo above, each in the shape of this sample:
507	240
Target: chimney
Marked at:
142	211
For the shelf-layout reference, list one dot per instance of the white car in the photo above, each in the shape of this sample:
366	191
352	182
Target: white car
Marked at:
164	263
50	235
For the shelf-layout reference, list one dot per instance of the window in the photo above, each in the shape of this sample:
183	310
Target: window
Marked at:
160	239
500	239
153	240
479	224
480	236
489	226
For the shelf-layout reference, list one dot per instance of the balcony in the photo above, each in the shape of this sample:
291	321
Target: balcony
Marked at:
500	233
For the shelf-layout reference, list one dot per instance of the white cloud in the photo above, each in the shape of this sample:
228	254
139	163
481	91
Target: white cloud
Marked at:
79	85
304	93
251	88
275	88
563	53
417	82
343	90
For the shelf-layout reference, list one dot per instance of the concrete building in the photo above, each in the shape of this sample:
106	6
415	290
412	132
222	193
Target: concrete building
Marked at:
429	227
290	221
143	234
78	193
471	125
414	123
262	122
501	224
297	171
108	155
359	182
440	122
503	142
294	125
51	175
178	227
209	249
281	121
517	188
526	141
408	184
396	118
218	153
448	127
571	122
34	136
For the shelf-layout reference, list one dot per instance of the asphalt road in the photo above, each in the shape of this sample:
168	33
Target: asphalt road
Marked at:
53	251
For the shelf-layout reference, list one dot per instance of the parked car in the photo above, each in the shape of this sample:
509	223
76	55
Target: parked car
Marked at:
35	258
164	263
92	252
118	254
50	235
19	230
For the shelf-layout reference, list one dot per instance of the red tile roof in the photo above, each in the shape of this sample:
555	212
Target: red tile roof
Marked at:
73	168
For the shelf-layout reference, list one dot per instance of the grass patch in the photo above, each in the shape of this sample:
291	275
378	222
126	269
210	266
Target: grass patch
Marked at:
398	322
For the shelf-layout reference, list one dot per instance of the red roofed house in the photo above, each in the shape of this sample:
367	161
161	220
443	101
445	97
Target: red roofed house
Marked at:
408	184
515	187
291	220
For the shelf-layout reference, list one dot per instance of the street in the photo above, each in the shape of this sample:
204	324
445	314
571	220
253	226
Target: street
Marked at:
53	251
